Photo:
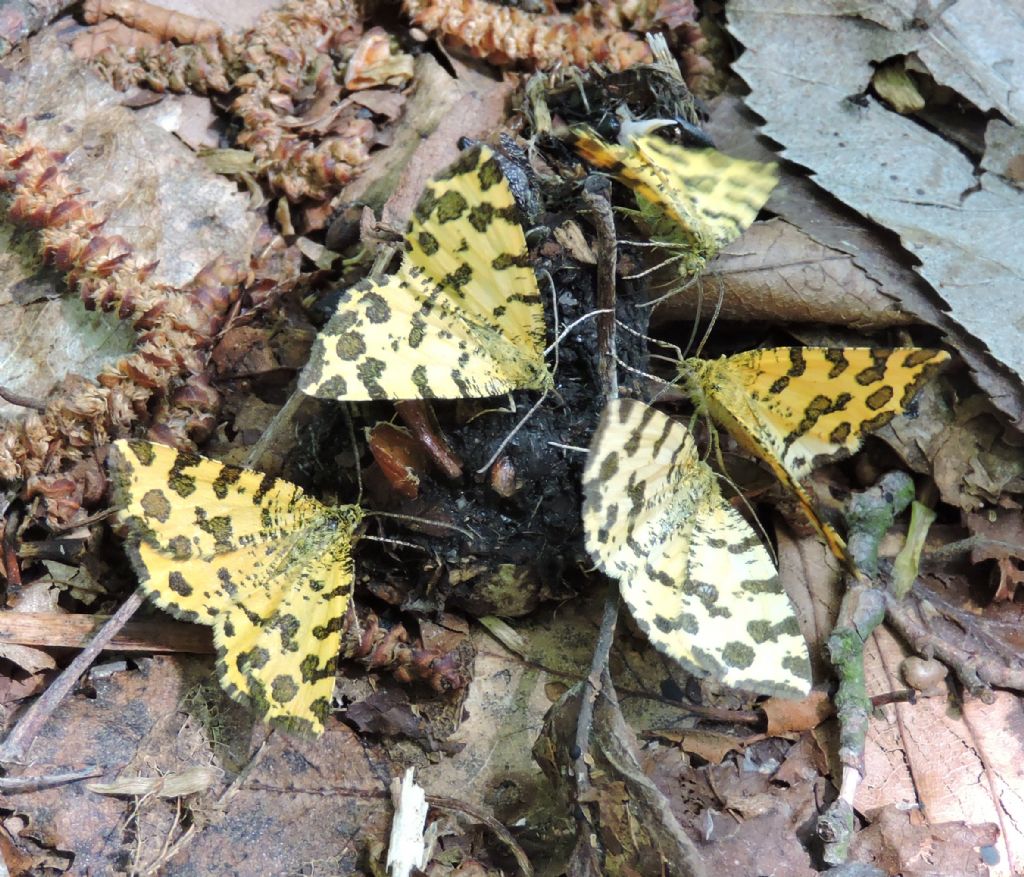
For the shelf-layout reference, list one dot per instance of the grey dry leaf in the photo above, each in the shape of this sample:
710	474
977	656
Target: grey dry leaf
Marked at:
804	62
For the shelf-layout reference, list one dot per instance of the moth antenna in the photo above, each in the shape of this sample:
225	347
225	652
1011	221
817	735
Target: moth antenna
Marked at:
651	340
656	267
554	311
714	316
654	302
387	540
696	321
567	447
565	332
417	520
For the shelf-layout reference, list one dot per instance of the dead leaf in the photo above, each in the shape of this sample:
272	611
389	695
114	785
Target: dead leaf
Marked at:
775	272
809	73
1002	530
955	765
711	746
427	136
975	458
166	719
899	845
637	830
788	716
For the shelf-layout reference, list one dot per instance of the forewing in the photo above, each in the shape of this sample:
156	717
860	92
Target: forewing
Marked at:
278	643
466	237
462	317
802	403
693	573
267	566
710	197
666	213
400	339
793	405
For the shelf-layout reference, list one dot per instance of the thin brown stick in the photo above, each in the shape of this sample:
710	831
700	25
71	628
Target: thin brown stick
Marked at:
499	830
18	785
32	720
54	629
593	690
597	195
21	401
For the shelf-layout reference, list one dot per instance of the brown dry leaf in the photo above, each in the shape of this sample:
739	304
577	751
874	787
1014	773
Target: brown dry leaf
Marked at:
712	746
190	117
389	713
787	716
976	458
570	236
775	272
1002	530
804	761
747	824
427	136
956	765
808	571
629	828
167	719
31	660
899	844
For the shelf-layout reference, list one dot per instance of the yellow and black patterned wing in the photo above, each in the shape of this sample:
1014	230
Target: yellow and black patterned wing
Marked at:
461	318
794	405
700	199
694	574
268	567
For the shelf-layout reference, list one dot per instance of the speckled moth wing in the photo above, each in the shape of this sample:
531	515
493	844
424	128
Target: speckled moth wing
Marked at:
698	199
461	318
794	405
695	576
268	567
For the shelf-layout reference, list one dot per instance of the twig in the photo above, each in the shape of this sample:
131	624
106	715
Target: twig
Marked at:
863	608
33	719
18	785
21	401
499	830
966	546
592	690
977	673
597	195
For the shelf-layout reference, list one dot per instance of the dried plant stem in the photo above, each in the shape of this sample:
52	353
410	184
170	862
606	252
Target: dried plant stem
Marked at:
18	785
975	670
597	195
496	828
32	720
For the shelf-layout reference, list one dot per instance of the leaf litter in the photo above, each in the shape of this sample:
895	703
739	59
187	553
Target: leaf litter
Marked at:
747	802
